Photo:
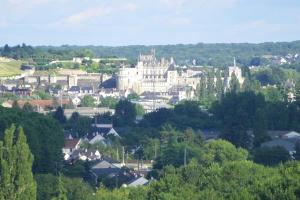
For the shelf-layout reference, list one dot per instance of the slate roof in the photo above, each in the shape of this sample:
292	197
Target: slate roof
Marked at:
289	146
88	88
139	181
110	83
74	89
104	167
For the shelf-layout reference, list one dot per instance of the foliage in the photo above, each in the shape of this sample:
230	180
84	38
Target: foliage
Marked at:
231	180
221	151
75	188
139	110
44	136
78	125
109	102
88	101
61	192
41	94
205	54
59	115
125	113
133	96
185	114
271	155
16	179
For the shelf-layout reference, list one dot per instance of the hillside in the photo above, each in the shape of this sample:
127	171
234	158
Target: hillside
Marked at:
10	68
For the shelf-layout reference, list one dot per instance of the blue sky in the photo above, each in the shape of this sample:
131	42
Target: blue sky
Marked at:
122	22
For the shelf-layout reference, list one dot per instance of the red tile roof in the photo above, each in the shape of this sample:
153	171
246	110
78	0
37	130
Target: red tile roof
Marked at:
71	143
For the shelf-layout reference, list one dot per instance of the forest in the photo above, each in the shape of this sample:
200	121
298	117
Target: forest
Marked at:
218	55
185	166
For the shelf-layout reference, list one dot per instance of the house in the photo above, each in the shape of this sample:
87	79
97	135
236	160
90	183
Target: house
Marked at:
86	155
104	168
96	138
291	135
74	90
104	130
138	181
286	144
70	146
87	90
109	93
21	91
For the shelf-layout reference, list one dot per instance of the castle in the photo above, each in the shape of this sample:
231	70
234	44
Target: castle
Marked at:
153	75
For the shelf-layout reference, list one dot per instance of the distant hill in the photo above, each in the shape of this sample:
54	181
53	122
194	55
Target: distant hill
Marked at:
219	54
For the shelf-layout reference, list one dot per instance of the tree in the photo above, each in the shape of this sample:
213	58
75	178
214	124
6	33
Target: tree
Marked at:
139	110
260	127
15	104
234	84
125	113
88	101
104	118
16	179
28	107
133	96
222	151
271	155
79	125
109	102
59	115
297	149
44	134
61	193
219	86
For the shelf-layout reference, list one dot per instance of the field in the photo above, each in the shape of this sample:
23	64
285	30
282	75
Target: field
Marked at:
10	68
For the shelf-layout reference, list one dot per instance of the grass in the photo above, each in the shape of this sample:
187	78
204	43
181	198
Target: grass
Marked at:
11	68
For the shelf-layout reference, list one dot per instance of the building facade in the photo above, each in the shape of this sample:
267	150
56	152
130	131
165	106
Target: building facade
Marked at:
153	75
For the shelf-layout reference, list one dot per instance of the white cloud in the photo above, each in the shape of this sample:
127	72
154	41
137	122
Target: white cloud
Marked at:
88	15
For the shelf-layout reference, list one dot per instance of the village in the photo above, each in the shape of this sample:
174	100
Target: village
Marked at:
152	84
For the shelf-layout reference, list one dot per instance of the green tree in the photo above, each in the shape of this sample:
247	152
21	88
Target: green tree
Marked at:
16	179
79	125
133	96
125	113
271	155
260	127
62	192
234	84
297	149
59	115
28	107
109	102
139	110
88	101
219	86
222	151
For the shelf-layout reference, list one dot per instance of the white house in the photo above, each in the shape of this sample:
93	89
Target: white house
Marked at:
70	146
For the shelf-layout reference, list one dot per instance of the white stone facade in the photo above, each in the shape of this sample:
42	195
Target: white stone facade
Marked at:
151	75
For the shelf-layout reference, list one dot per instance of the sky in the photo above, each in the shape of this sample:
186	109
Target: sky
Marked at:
147	22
